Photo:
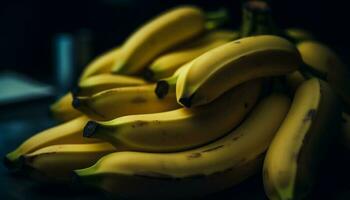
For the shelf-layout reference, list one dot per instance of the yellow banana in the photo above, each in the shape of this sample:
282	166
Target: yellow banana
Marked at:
57	162
224	67
101	64
181	128
157	36
63	110
166	64
325	63
100	82
117	102
67	133
184	175
299	34
294	155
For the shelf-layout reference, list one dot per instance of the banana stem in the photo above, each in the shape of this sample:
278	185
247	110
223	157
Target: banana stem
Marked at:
257	19
216	19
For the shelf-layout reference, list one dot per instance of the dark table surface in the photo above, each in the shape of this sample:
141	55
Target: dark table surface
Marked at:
19	122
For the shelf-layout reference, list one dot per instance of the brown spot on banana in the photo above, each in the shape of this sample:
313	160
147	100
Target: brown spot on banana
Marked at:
311	114
139	123
213	149
194	155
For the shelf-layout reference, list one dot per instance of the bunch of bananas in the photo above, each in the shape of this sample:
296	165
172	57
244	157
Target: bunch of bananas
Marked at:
182	109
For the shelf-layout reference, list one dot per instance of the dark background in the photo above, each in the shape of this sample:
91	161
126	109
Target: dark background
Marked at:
27	31
28	27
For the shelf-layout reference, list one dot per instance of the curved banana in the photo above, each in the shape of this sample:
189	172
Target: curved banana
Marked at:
100	82
57	162
117	102
294	155
63	110
197	172
101	64
67	133
157	36
299	34
325	63
178	129
224	67
165	65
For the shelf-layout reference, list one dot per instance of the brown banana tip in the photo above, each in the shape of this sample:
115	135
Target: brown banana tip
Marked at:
162	89
185	102
90	129
148	75
76	102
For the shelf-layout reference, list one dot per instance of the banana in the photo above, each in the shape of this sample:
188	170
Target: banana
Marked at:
293	80
157	36
67	133
213	167
100	82
292	160
325	63
57	162
224	67
166	64
117	102
101	64
181	128
299	34
63	110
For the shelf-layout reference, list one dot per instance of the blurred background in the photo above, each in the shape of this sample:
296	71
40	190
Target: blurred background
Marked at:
46	44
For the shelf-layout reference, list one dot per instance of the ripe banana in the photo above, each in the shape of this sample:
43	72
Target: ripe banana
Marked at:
224	67
298	34
117	102
197	172
101	64
100	82
181	128
166	64
294	155
67	133
63	110
57	162
325	63
157	36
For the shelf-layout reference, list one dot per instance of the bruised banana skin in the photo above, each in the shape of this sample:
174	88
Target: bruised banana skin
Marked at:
178	129
63	110
225	67
67	133
167	64
157	36
100	82
117	102
292	160
325	63
194	173
57	162
101	64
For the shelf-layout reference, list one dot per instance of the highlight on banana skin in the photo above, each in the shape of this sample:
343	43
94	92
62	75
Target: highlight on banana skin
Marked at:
192	104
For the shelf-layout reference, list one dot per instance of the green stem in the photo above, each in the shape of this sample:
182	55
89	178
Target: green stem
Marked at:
257	19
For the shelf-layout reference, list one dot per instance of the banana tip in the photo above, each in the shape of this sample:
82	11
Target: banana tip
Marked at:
162	89
90	128
185	102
